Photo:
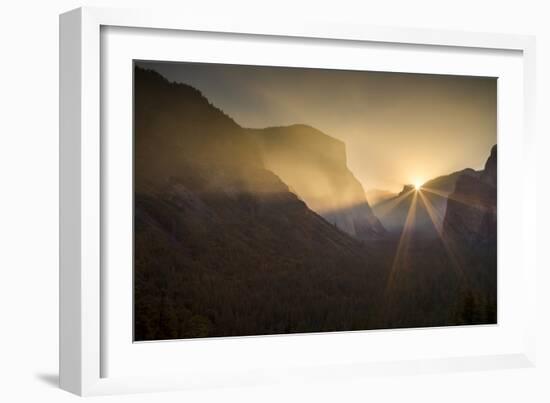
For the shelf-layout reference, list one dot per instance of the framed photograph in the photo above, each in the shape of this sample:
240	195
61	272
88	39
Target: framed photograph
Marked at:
253	202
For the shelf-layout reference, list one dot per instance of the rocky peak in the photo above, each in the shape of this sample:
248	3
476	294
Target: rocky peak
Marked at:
489	174
406	189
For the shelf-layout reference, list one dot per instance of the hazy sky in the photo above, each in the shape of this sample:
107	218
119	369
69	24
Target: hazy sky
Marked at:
398	128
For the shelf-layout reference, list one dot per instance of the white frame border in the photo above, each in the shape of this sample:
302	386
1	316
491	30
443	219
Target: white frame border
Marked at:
80	165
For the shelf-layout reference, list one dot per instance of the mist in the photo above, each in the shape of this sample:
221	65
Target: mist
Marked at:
397	128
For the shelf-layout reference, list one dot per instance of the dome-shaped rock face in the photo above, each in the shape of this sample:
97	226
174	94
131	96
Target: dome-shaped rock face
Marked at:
314	166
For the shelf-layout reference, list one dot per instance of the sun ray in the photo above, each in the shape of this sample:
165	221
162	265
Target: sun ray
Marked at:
403	244
433	213
447	241
387	208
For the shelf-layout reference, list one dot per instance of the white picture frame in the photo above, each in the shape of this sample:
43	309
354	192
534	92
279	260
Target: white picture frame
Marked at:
87	345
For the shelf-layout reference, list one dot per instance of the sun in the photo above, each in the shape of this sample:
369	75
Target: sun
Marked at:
417	185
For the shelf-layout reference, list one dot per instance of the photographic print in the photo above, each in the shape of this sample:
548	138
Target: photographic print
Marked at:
280	200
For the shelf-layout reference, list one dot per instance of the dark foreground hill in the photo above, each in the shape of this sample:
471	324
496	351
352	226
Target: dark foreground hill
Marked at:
222	247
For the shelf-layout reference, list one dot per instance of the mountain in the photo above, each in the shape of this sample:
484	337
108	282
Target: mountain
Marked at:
314	166
222	246
393	212
472	208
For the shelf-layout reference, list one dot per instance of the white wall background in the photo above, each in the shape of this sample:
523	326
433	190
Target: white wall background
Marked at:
29	201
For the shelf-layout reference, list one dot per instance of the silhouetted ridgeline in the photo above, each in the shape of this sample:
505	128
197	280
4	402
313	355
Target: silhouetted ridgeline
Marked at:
224	247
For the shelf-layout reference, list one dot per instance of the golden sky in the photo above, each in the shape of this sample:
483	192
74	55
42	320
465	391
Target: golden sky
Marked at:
398	128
